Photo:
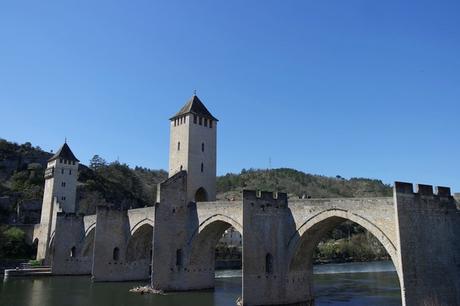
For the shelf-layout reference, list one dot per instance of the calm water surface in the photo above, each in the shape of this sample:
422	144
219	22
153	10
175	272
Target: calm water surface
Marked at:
335	284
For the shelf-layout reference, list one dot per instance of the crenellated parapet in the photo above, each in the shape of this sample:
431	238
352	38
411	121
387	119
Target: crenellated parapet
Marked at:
265	200
422	190
437	197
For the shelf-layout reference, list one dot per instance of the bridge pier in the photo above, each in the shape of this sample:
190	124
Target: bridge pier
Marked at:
268	224
428	227
68	244
175	221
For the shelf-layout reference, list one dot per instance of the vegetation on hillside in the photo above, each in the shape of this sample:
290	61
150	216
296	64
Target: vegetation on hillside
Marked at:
102	183
13	243
116	184
299	184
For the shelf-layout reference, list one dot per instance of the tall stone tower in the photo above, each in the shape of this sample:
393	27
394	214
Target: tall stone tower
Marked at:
193	148
59	195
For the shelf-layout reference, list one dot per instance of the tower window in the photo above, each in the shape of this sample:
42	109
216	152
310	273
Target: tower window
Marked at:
269	263
185	119
210	124
60	160
179	257
73	163
63	184
178	146
181	167
200	121
205	122
62	171
70	172
202	147
194	119
175	122
63	198
202	167
116	254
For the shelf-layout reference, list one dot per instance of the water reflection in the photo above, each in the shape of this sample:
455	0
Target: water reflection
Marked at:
351	286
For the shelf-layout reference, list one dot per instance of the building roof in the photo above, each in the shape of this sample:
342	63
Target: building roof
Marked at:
194	106
65	153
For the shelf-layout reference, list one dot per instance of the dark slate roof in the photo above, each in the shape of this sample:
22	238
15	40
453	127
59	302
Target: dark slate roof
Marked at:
194	106
65	153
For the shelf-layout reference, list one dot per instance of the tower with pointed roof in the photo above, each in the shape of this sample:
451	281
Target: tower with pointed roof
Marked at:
59	195
193	149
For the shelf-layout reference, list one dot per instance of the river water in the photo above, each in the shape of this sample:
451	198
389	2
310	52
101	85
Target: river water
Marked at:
370	284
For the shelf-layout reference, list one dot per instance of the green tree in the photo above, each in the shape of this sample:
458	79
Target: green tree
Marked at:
13	243
97	162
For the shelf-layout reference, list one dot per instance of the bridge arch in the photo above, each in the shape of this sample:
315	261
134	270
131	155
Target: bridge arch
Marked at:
139	246
205	238
301	245
139	224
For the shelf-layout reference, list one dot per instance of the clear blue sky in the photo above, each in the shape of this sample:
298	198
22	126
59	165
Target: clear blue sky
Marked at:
352	88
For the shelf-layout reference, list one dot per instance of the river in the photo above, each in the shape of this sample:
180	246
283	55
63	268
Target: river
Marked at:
374	283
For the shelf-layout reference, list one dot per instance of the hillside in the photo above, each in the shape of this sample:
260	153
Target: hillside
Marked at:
22	167
299	184
21	181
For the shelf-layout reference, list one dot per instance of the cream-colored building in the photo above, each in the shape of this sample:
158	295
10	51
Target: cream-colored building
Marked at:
192	148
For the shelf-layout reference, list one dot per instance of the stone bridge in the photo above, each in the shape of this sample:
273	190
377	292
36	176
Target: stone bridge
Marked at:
419	229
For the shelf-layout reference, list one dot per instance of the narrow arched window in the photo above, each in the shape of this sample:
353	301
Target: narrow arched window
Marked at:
202	167
178	146
181	167
179	257
116	254
202	147
73	251
268	263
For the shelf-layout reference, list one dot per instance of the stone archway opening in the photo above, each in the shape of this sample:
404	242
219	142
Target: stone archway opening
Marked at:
229	250
34	247
336	255
201	195
139	250
215	250
140	244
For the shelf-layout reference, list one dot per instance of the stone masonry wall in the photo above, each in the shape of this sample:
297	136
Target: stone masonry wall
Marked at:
267	223
70	234
428	226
